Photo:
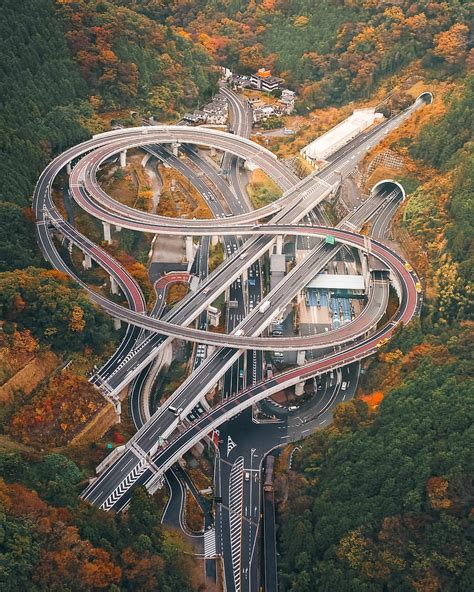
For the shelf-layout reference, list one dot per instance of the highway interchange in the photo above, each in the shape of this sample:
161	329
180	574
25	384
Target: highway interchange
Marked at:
248	235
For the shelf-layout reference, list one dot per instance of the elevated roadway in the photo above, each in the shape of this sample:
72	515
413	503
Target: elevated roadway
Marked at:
146	456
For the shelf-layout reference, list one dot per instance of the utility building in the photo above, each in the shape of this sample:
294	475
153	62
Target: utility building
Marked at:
339	135
263	80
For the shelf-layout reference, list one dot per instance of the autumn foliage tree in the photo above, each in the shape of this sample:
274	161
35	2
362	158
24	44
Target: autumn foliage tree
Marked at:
49	304
56	412
53	541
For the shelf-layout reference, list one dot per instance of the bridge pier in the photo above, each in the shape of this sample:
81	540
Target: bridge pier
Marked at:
365	269
155	483
118	228
107	235
365	260
69	168
213	151
118	407
299	389
123	159
175	147
279	244
214	240
301	357
189	249
117	324
87	262
114	287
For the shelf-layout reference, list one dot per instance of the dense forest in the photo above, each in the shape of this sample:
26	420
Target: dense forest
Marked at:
379	501
382	500
50	541
331	51
128	59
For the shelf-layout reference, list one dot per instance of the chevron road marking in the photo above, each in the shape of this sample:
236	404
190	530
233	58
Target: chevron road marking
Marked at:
210	543
236	489
129	480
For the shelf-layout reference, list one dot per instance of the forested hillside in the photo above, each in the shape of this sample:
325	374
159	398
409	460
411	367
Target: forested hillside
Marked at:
51	95
42	104
332	51
382	499
40	95
51	542
129	59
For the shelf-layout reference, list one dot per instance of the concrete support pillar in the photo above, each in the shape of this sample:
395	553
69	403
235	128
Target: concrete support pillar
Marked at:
365	269
117	324
87	263
107	236
118	228
301	358
175	146
123	159
299	389
213	151
245	275
214	240
118	408
113	285
189	249
69	168
367	244
154	484
279	245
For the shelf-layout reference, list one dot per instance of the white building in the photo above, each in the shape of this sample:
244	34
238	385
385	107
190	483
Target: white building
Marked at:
287	101
263	113
340	135
263	80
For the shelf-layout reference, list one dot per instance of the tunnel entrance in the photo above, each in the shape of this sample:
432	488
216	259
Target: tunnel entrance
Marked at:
389	186
426	97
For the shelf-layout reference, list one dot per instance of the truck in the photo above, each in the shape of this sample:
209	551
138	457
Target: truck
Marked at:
265	306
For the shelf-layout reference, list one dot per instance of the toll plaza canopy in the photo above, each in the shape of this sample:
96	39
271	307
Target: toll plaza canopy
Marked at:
337	282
